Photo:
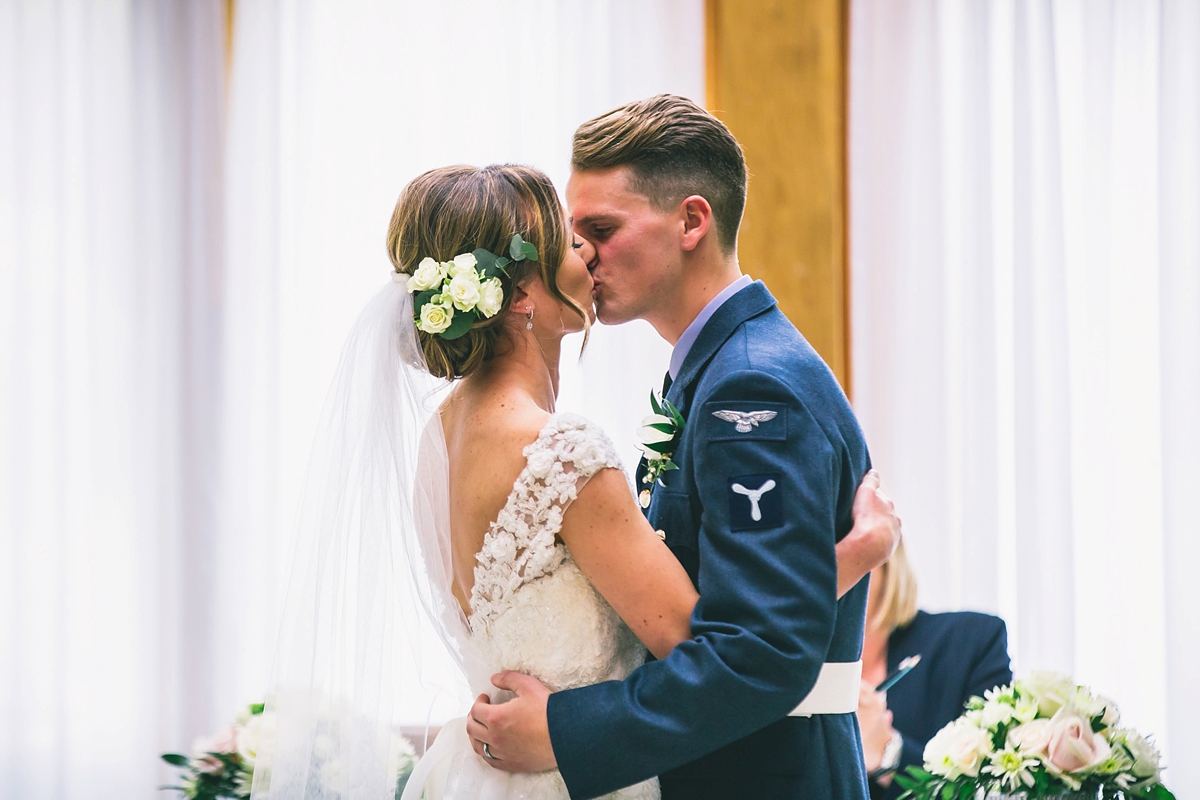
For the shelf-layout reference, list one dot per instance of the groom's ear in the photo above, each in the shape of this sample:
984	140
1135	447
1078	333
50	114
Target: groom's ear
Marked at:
697	218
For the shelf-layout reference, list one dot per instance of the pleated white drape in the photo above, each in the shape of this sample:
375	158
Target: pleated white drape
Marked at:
1025	191
181	255
111	121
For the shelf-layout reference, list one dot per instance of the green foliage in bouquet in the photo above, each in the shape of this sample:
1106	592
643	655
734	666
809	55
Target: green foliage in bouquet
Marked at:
1043	736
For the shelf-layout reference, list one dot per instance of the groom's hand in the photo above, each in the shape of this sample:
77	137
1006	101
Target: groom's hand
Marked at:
516	732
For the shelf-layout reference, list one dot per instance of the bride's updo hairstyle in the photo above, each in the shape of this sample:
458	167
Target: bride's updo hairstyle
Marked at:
454	210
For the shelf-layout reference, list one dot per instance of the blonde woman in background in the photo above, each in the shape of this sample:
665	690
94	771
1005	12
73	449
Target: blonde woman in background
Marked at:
963	653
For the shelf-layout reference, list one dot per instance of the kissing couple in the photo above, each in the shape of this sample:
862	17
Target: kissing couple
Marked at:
692	633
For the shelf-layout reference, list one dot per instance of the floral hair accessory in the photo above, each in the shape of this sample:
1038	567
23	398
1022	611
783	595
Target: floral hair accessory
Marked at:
450	296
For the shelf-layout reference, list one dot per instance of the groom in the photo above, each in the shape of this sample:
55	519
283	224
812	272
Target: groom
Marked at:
769	460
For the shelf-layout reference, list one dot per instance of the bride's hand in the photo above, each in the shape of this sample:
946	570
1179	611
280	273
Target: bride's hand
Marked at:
516	733
875	536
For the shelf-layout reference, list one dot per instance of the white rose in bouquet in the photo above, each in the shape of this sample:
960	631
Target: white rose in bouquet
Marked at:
1031	738
256	736
1051	690
958	749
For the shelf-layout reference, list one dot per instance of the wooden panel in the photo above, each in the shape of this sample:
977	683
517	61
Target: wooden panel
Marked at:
777	77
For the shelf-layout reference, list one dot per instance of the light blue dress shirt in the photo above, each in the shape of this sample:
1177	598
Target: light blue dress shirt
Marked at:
689	336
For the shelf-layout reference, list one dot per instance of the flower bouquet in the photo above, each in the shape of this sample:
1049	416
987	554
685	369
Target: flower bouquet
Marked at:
1043	736
223	766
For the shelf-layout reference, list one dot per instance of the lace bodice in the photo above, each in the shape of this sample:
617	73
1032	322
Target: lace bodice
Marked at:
532	609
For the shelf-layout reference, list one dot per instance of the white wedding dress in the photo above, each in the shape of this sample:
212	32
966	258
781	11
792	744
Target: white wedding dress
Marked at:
534	611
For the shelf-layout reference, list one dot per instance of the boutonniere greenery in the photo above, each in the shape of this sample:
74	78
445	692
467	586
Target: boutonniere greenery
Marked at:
659	436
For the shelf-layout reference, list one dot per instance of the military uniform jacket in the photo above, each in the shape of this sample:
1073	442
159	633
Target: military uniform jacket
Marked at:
769	461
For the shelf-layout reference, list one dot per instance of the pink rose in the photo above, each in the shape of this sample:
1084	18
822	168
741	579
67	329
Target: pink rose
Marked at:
223	742
1073	747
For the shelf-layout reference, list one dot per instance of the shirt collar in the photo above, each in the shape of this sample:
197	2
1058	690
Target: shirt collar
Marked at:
689	335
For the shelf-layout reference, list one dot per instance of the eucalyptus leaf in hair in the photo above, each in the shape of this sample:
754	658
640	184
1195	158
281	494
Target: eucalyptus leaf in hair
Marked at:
489	264
520	249
461	323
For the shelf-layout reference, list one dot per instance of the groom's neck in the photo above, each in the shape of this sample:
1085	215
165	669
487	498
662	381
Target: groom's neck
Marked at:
701	282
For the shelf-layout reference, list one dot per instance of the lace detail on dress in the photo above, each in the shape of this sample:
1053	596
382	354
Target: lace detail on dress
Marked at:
521	545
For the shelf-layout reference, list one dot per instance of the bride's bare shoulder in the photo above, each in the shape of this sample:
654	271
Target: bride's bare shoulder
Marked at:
499	424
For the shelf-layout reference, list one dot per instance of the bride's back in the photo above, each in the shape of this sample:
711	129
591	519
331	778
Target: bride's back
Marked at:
488	421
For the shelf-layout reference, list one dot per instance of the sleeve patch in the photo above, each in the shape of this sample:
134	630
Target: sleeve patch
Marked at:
755	502
739	420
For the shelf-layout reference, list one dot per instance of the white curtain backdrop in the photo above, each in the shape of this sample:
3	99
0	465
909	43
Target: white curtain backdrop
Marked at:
183	253
1025	192
110	284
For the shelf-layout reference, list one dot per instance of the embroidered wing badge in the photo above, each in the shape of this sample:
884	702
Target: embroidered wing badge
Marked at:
745	420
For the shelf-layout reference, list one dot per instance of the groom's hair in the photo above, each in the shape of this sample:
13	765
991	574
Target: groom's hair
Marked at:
673	149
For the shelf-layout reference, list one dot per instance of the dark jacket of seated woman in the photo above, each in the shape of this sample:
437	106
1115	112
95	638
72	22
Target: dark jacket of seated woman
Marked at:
962	654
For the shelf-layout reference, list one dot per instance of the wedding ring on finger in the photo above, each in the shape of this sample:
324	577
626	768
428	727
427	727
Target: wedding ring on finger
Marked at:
487	752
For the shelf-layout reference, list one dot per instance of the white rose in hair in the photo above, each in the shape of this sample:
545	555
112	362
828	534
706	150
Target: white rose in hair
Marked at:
464	290
491	297
429	274
462	263
435	318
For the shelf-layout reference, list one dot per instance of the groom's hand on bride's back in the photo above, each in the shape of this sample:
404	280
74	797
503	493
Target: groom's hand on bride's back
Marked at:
515	732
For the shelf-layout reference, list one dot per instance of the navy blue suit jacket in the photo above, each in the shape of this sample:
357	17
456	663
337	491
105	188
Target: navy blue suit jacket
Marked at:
963	654
711	718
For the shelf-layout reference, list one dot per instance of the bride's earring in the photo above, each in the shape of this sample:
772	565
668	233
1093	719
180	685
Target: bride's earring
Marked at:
529	323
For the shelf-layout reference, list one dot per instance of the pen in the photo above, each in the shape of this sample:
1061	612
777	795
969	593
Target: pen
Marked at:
906	666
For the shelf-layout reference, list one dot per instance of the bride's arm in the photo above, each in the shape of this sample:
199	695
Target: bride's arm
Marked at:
628	564
874	538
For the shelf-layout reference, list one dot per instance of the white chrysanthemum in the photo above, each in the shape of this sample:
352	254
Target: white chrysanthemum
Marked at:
429	274
995	713
464	290
1026	709
435	317
1146	758
491	297
1012	768
254	737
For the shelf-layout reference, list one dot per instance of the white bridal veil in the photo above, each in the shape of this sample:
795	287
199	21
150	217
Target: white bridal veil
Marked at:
372	554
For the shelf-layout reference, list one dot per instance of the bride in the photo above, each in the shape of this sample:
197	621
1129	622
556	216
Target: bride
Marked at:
508	527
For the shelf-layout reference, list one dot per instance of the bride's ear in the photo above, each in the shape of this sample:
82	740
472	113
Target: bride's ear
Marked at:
521	301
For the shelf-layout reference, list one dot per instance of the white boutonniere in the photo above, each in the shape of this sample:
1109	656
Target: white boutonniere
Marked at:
659	435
